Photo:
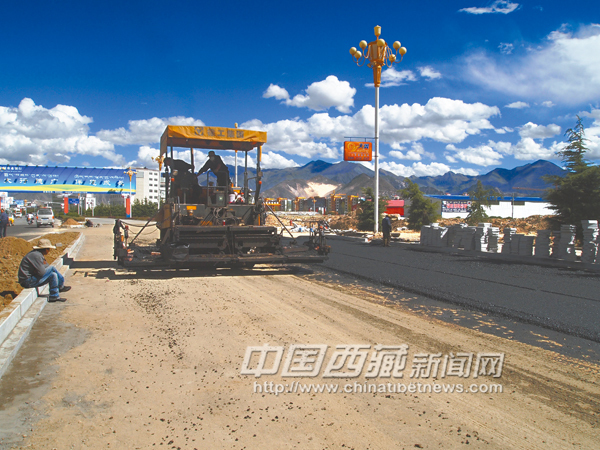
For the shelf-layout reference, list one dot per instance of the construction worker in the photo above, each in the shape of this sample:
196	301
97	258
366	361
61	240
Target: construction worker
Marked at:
3	222
218	167
34	271
386	227
183	177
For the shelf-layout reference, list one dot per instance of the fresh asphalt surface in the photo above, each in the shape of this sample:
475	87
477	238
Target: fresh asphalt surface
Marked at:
563	305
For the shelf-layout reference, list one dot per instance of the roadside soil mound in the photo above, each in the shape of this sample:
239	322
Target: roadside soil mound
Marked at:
70	221
12	250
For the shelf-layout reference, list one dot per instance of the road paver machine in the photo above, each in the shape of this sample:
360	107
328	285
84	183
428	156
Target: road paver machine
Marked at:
203	224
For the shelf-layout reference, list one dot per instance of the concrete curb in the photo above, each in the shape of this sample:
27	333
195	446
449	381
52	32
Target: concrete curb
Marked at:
530	260
17	319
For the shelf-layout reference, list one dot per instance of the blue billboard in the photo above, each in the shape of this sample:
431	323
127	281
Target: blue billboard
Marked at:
65	179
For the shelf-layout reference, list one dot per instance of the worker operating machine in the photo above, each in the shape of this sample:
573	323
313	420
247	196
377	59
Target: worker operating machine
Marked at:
212	223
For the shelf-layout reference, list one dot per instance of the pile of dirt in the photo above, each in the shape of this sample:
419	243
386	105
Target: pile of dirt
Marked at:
530	225
13	249
70	221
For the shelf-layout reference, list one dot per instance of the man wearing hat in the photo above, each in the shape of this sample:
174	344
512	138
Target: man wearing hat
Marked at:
218	167
34	271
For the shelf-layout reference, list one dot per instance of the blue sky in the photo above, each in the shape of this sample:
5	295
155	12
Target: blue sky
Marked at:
484	84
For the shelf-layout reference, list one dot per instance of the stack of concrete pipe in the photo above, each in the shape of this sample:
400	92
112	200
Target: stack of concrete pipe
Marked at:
493	238
484	238
508	235
589	252
542	243
564	246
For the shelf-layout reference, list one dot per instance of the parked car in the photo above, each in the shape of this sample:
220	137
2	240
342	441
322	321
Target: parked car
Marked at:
45	216
18	213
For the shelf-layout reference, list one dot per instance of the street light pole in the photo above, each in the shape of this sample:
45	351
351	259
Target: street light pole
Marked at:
378	54
130	173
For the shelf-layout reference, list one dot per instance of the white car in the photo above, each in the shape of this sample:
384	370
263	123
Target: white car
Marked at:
45	216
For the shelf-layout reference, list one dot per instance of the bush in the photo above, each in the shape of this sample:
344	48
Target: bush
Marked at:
366	212
71	215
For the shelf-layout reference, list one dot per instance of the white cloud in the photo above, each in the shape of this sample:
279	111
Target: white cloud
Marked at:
499	6
418	168
430	73
414	154
275	91
526	149
566	68
295	137
531	130
506	48
391	77
146	131
273	160
144	157
33	134
503	130
483	155
440	119
465	171
548	104
517	105
592	134
320	95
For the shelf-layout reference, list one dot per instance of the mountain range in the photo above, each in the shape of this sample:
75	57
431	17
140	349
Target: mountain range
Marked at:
319	178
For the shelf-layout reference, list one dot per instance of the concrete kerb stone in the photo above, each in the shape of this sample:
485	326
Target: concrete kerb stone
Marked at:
509	257
17	319
531	260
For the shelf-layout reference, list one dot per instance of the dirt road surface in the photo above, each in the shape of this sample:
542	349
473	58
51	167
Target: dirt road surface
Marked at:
155	361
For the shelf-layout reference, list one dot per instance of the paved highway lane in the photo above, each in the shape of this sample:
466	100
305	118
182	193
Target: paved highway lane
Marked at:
23	230
563	300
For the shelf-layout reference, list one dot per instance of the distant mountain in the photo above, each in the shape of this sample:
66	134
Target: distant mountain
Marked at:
356	186
504	180
318	186
350	178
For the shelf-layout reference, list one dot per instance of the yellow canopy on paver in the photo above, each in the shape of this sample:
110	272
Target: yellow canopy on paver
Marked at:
213	138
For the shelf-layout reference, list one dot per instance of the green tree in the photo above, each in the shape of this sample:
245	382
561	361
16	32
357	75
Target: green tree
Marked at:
480	199
575	196
366	213
143	209
573	153
422	210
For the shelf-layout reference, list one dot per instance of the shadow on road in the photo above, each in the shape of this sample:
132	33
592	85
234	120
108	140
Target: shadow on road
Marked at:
110	270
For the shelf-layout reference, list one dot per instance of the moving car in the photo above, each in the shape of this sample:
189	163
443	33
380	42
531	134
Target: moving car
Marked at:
45	216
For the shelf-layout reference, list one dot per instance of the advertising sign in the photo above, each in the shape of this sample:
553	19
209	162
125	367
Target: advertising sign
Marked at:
64	179
456	206
358	151
73	201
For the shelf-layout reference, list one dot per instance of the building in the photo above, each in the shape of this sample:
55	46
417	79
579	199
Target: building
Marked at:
395	207
451	206
149	185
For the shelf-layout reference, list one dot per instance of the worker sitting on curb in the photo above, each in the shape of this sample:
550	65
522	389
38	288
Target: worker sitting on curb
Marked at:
34	271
